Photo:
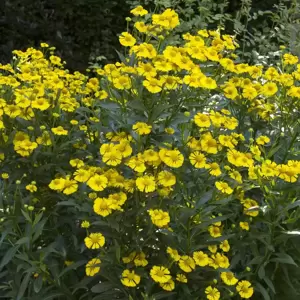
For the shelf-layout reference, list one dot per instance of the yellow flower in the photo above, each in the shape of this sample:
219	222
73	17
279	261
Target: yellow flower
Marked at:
25	148
201	259
44	45
289	59
122	82
142	128
31	188
250	207
181	278
225	246
159	217
141	27
172	158
230	91
124	148
140	260
130	279
40	103
229	278
103	206
214	169
78	163
94	240
173	253
85	224
97	182
166	178
59	130
126	39
92	267
153	85
139	11
57	184
4	175
186	263
244	225
70	186
160	274
223	187
215	231
44	139
82	175
227	141
212	293
209	144
168	19
219	260
137	164
262	140
146	184
112	158
198	159
269	89
213	248
245	289
168	286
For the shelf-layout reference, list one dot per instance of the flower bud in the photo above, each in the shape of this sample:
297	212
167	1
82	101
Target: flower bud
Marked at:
31	208
128	19
187	113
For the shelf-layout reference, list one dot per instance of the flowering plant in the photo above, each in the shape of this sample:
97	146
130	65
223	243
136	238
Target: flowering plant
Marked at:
170	174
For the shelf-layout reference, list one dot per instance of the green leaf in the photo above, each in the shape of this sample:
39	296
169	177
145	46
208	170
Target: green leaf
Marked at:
102	287
38	284
39	229
204	198
109	105
163	295
293	205
263	291
73	266
37	218
284	259
269	284
8	256
53	296
23	240
261	272
23	286
26	216
137	104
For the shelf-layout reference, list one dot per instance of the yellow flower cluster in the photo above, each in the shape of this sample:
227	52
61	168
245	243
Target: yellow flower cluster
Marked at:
149	163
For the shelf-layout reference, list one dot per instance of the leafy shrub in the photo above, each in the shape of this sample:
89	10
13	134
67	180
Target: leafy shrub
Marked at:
171	174
260	26
80	29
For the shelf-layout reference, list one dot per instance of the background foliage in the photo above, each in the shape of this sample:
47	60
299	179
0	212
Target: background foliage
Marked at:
86	30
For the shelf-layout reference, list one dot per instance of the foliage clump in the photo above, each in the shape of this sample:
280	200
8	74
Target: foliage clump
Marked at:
171	174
